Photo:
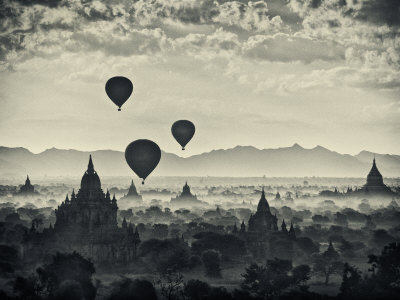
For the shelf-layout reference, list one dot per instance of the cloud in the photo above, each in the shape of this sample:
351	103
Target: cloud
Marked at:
380	12
361	36
280	47
49	3
253	16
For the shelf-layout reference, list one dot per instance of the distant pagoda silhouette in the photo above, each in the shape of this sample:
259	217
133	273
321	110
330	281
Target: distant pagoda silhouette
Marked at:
186	197
27	189
375	183
373	187
132	196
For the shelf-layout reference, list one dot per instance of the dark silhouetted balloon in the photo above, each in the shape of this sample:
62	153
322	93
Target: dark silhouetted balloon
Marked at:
183	131
119	89
142	157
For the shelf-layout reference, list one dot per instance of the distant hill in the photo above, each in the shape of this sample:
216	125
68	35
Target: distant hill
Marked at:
240	161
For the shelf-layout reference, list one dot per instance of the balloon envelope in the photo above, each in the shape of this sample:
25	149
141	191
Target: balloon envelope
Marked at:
183	131
142	157
119	89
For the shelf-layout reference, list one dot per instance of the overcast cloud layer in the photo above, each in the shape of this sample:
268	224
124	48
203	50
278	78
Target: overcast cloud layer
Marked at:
265	73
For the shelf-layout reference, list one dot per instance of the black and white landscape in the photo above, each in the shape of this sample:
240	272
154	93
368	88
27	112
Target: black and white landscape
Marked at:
199	149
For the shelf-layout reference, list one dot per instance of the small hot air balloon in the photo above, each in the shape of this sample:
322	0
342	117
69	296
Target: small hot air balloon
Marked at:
142	157
183	131
119	89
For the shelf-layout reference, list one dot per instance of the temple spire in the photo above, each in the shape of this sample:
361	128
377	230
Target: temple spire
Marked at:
90	165
263	205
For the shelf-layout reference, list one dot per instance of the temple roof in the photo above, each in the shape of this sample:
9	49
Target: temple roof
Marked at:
132	190
374	170
374	178
263	205
90	180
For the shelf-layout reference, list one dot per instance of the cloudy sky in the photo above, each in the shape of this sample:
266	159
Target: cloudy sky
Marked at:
263	73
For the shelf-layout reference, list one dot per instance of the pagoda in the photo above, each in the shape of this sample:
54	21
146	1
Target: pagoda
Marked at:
374	184
27	189
131	197
186	197
87	223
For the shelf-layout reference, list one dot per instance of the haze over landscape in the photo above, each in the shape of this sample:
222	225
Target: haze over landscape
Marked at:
241	161
199	149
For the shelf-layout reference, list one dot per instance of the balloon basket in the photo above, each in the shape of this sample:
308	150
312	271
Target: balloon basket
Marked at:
143	181
183	148
119	109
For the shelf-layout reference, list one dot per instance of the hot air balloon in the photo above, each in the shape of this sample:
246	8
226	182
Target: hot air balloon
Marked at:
142	157
119	89
183	131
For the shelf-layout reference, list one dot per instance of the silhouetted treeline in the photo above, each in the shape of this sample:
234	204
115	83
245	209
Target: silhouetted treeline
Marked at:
70	276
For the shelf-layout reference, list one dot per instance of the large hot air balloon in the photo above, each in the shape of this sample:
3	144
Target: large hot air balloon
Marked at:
119	89
142	157
183	131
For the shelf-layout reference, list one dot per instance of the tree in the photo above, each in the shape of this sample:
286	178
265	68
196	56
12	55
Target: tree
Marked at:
128	289
68	267
171	284
211	260
37	222
69	290
271	280
381	237
327	263
196	290
165	254
28	288
384	283
350	282
8	259
341	219
326	267
228	245
307	245
320	219
195	261
13	218
301	274
127	214
386	267
160	231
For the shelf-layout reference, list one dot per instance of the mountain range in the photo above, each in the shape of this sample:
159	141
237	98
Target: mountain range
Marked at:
241	161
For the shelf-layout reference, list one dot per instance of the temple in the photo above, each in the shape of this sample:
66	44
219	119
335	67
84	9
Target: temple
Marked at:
186	197
87	223
263	220
263	237
374	184
132	197
373	187
27	189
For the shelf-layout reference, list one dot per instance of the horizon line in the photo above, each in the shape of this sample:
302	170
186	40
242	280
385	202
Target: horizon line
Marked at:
295	145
